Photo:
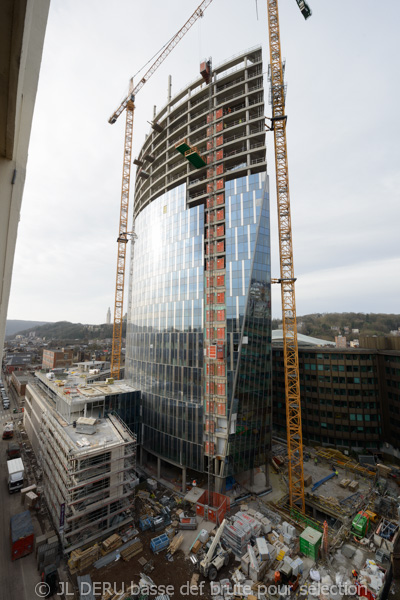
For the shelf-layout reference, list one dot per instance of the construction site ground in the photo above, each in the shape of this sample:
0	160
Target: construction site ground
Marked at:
332	488
177	572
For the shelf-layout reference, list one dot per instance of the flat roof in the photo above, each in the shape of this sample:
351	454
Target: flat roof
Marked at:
76	389
302	340
311	535
103	435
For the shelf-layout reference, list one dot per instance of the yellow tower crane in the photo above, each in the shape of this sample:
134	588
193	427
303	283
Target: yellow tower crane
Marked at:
287	278
128	104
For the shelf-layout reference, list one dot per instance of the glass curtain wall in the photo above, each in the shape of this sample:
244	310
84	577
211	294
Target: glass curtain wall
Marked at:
164	355
248	322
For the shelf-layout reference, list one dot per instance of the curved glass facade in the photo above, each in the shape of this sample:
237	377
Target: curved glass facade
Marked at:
164	354
248	323
199	339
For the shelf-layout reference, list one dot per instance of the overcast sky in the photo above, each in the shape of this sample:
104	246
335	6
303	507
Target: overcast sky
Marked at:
343	135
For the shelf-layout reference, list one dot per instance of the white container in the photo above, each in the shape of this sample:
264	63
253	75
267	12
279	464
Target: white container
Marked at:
266	527
297	566
288	560
203	536
259	516
288	538
245	562
254	574
262	548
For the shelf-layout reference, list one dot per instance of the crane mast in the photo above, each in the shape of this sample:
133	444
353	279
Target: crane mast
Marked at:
128	104
122	243
287	279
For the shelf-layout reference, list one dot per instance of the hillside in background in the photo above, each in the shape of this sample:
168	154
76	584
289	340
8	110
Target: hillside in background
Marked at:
64	330
14	326
323	325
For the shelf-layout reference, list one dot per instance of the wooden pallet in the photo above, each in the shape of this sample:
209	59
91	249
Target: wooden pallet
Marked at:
132	550
110	544
176	542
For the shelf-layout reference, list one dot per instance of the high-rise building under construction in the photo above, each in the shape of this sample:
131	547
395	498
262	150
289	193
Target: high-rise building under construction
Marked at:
199	314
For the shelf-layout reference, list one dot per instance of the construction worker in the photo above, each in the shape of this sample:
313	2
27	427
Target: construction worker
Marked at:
316	460
337	473
355	574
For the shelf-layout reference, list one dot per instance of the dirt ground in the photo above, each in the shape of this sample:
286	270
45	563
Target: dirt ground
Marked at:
177	573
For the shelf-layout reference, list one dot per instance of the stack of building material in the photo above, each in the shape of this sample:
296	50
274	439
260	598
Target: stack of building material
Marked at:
81	559
111	556
289	532
85	587
39	541
372	577
48	554
111	543
24	491
281	549
135	548
353	486
31	500
237	536
249	520
130	533
383	470
297	566
196	546
120	595
266	525
176	542
307	480
256	566
262	548
344	483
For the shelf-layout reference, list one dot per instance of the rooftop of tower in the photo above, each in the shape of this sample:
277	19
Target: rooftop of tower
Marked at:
237	112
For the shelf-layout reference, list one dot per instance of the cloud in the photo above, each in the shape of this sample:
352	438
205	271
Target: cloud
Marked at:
343	131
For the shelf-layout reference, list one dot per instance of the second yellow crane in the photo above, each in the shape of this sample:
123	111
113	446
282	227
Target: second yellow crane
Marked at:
287	278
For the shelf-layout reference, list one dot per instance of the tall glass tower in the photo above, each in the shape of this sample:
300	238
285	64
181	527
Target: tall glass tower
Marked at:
199	314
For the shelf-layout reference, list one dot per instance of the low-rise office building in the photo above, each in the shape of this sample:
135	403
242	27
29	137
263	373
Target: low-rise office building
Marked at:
350	397
87	454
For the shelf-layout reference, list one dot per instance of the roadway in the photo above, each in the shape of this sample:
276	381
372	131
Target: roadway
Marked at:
19	578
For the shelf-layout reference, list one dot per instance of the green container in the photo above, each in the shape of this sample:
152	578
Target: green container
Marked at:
310	541
360	525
